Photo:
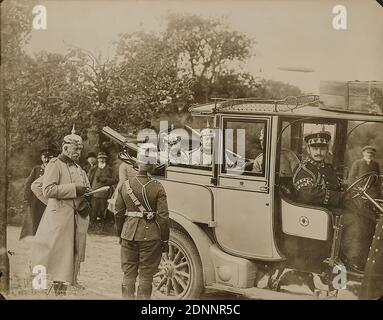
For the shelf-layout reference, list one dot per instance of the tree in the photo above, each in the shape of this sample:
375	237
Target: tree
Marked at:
47	101
149	81
271	89
15	29
206	49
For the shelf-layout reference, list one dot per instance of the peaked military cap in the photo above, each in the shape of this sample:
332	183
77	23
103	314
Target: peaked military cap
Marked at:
47	152
321	138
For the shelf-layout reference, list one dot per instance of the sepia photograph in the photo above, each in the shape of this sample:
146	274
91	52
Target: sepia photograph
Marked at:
191	150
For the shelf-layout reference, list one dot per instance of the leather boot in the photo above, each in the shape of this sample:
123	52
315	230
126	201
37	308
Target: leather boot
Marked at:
128	291
59	288
144	291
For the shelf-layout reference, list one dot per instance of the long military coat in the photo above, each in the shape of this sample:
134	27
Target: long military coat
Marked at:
60	240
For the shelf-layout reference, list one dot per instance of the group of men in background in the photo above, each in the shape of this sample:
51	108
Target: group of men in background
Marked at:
70	198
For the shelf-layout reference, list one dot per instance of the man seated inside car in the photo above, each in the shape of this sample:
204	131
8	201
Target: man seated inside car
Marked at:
316	184
288	160
172	151
203	155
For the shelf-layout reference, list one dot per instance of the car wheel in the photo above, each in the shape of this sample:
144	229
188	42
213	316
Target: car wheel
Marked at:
180	271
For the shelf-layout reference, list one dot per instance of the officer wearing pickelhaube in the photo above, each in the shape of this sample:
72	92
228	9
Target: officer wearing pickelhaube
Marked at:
203	156
59	244
142	221
316	183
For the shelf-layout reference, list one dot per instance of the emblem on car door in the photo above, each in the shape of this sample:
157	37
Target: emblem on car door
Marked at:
304	221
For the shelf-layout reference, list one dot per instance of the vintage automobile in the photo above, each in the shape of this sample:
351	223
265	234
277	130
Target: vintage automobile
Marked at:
243	231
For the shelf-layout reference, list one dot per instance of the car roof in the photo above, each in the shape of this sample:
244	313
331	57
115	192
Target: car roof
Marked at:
273	107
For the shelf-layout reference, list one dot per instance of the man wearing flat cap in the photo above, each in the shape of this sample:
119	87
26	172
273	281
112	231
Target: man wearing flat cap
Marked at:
35	208
316	183
142	221
59	243
100	175
367	165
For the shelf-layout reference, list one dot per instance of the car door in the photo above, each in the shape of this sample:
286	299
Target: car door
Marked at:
244	193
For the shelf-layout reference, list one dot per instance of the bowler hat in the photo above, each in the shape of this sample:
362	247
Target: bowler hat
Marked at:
91	155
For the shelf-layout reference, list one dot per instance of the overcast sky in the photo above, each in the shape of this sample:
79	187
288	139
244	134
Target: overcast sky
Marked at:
288	33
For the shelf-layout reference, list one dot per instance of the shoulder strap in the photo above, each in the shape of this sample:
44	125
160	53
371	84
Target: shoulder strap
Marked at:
133	197
144	194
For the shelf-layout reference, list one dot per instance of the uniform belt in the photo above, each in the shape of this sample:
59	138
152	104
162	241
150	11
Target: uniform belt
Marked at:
138	214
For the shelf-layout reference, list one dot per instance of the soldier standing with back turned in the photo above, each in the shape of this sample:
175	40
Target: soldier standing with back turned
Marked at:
142	221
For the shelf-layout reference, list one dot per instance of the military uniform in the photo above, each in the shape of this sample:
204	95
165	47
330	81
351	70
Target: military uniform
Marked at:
141	239
316	184
35	206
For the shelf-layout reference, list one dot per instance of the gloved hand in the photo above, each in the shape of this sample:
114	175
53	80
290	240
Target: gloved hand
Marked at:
164	246
89	196
80	190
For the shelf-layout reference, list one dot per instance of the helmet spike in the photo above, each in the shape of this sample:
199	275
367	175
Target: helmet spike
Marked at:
73	129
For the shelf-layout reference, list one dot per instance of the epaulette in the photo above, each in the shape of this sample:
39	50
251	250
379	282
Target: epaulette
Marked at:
53	160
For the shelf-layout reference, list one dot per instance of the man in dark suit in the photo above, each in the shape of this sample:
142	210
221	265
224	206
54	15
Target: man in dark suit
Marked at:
35	208
367	165
99	176
142	221
91	161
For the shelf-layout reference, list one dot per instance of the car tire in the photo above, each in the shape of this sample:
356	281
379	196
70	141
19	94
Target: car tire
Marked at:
180	273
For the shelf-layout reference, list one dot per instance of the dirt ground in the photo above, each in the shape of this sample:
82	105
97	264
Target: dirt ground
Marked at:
100	274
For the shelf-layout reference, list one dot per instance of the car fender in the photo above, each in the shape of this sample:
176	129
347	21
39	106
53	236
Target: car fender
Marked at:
202	243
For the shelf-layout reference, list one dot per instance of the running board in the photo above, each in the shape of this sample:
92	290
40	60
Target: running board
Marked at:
261	294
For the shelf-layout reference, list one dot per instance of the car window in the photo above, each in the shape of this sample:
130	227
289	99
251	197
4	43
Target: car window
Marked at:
245	146
191	145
